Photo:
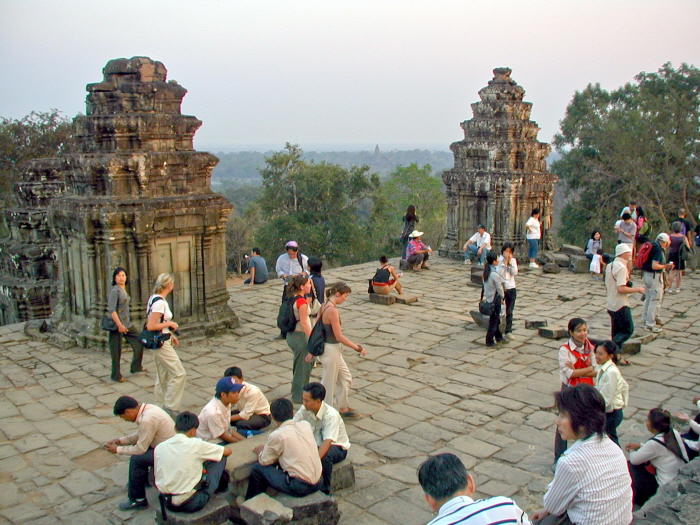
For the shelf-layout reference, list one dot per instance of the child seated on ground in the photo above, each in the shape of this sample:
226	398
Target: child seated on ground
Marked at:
596	266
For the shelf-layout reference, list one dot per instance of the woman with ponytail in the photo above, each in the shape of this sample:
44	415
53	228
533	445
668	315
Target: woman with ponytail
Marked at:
657	461
297	288
612	386
336	375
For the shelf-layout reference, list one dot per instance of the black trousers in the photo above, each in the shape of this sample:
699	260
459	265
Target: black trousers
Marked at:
335	455
254	422
115	349
138	474
263	476
510	297
621	325
215	469
494	330
644	484
560	444
612	421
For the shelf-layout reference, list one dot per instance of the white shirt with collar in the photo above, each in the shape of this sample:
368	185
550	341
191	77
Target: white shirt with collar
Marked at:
214	420
465	511
481	240
252	401
666	462
507	272
154	427
566	358
612	386
177	463
287	265
327	424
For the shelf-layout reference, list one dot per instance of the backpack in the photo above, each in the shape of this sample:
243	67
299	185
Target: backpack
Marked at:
317	339
382	275
286	321
643	255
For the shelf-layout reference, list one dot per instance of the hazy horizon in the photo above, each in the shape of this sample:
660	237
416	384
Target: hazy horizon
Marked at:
324	75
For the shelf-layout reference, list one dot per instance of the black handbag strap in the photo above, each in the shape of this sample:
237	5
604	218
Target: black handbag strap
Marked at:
667	448
150	306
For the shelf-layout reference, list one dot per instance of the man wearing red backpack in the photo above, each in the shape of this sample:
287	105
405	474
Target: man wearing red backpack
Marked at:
652	270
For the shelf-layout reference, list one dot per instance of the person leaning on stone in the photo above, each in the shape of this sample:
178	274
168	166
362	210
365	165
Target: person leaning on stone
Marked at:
252	411
154	427
328	427
215	417
289	460
257	267
618	289
118	309
188	471
652	271
477	246
448	489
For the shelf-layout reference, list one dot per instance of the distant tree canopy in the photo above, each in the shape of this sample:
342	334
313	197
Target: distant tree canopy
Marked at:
640	142
39	134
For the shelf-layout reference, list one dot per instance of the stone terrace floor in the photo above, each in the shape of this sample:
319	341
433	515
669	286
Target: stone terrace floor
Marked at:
428	385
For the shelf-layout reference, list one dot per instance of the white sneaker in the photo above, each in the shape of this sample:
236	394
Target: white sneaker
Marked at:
653	329
466	261
534	265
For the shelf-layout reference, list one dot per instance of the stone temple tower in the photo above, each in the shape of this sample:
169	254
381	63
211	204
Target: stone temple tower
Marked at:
499	172
136	194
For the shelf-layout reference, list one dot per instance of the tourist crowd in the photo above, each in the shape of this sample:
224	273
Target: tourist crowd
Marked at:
593	483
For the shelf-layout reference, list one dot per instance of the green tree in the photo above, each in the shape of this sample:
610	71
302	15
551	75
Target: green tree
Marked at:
639	142
408	185
39	134
322	206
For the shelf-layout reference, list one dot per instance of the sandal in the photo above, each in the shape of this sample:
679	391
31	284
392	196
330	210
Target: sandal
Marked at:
623	362
348	413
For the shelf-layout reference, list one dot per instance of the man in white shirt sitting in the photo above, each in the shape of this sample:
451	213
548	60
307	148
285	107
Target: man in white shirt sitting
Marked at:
215	417
478	246
154	427
252	411
329	429
179	462
448	490
289	461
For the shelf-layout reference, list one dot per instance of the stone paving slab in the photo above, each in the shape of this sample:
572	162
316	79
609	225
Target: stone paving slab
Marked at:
428	385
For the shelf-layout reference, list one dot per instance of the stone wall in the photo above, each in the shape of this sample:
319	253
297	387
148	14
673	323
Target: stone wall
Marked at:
676	502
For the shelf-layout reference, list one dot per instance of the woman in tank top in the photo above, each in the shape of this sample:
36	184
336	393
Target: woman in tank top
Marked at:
336	375
297	288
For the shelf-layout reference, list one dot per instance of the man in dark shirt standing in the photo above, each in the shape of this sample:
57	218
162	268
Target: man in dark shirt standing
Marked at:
653	280
257	268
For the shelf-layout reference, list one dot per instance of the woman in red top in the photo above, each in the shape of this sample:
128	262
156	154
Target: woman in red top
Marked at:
576	366
297	288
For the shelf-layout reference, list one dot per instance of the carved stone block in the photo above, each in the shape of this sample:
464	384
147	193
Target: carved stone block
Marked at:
382	299
553	333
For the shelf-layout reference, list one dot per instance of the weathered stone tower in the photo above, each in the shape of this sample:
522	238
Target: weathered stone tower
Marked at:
499	172
137	195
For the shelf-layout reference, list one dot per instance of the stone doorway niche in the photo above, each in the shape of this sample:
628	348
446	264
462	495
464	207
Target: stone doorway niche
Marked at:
175	255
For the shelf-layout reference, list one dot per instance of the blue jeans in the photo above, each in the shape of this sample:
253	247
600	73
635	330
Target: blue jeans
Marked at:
471	253
532	248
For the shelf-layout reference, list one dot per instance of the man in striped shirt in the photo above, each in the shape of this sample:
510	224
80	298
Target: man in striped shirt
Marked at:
449	489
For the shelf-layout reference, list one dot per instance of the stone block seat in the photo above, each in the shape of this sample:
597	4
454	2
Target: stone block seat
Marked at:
218	510
382	299
278	509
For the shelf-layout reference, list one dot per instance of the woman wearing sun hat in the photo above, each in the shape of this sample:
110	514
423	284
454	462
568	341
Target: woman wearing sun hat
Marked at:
417	251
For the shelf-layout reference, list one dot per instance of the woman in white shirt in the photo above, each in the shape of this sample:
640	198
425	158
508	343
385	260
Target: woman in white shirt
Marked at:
170	374
665	452
508	269
533	235
612	386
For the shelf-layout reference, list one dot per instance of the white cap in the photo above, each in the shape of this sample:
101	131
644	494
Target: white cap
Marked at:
621	248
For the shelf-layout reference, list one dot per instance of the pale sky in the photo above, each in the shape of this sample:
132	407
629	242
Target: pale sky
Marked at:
396	73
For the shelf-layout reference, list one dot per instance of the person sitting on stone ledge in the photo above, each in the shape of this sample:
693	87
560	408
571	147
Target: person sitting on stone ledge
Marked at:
252	411
289	461
257	267
188	471
448	490
329	430
591	482
215	417
477	246
154	427
417	252
386	278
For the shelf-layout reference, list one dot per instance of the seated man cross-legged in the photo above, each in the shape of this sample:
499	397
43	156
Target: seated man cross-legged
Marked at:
154	427
215	417
448	490
329	430
179	462
289	460
252	411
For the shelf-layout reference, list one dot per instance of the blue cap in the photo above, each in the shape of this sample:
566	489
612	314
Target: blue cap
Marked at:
226	384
